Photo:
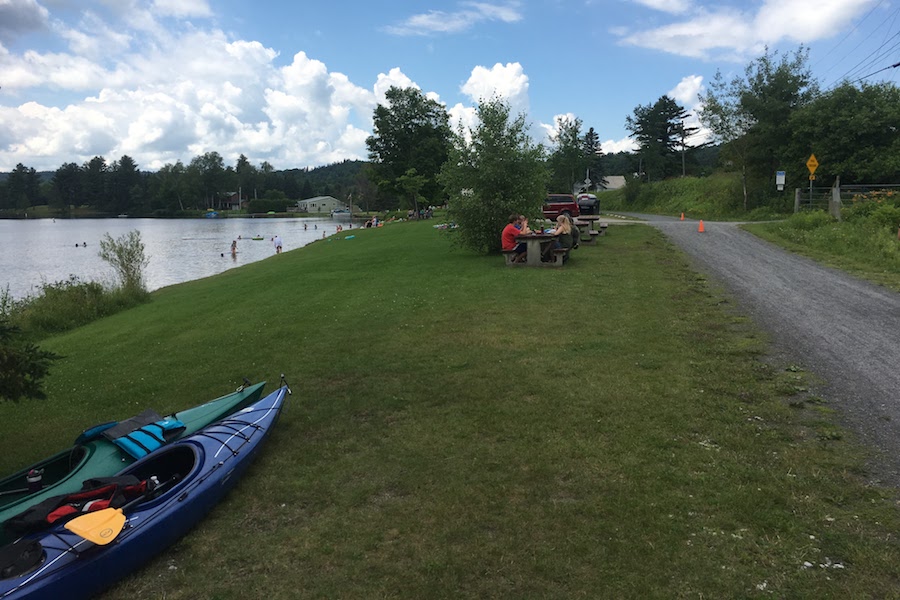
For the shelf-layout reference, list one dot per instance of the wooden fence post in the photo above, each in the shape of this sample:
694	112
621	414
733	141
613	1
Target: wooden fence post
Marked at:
834	205
796	200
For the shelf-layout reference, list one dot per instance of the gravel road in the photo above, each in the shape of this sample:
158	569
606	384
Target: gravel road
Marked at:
844	330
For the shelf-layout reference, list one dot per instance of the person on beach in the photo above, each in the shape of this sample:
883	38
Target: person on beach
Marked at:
277	242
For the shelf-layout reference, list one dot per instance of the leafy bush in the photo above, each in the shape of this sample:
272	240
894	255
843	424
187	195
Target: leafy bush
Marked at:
807	221
68	304
262	205
858	211
886	216
23	365
632	192
494	171
126	255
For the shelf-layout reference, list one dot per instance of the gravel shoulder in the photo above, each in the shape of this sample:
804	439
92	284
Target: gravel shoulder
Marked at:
842	329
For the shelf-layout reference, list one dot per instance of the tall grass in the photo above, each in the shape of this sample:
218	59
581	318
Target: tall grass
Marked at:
718	196
63	305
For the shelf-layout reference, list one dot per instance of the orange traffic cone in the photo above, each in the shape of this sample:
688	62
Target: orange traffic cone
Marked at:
701	229
682	216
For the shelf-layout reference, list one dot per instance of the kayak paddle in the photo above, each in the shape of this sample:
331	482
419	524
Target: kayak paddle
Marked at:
103	526
100	527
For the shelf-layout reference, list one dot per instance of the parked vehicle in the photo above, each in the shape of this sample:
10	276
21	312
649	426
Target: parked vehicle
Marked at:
589	204
560	204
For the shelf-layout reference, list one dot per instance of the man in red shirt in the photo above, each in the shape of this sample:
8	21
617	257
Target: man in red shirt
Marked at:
517	225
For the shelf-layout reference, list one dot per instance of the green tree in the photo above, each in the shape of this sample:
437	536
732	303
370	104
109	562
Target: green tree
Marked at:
656	130
23	365
66	184
411	184
126	255
567	160
751	116
410	131
167	188
774	86
271	179
492	171
307	191
125	185
247	177
95	183
23	187
721	112
209	168
854	132
592	151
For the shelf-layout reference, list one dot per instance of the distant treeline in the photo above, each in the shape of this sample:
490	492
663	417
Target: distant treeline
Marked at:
206	182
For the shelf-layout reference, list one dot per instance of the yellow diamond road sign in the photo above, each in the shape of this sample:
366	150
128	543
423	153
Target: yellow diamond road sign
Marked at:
812	164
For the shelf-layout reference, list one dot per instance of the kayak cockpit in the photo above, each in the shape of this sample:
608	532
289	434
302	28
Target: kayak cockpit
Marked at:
175	462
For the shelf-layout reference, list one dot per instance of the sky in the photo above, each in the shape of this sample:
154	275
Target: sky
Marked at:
296	83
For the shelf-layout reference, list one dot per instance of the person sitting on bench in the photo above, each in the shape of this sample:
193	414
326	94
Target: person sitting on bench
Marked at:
564	238
517	225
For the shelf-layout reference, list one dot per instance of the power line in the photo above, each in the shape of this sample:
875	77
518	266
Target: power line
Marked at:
849	33
873	57
877	55
893	66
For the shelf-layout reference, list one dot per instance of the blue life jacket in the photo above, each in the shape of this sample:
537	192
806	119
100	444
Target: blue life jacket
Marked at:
141	435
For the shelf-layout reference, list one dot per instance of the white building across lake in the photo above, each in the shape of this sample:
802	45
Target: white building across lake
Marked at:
319	204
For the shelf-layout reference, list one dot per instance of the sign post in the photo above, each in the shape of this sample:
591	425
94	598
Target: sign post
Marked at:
812	164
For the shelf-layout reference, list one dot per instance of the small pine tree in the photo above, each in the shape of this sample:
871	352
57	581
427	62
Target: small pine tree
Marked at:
23	365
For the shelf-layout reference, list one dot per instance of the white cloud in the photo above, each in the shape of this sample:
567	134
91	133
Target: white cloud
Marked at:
614	146
687	94
182	8
183	92
473	13
669	6
508	82
687	91
734	34
505	81
94	38
394	78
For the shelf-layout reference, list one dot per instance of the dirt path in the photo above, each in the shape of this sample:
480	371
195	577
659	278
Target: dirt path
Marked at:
844	330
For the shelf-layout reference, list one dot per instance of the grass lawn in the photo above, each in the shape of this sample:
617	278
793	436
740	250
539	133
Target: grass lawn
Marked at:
460	429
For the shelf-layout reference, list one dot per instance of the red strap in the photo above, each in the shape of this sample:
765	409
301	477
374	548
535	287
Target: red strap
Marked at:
61	512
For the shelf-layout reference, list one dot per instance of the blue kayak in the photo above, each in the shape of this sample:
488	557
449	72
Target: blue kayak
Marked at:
192	474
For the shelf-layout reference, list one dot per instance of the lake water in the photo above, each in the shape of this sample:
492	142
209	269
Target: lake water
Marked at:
37	251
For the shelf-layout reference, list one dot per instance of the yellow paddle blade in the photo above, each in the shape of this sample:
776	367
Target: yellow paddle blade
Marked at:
100	527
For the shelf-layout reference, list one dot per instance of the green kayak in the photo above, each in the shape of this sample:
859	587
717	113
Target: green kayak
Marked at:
96	453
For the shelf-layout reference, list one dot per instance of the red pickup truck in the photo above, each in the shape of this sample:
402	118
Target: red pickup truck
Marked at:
560	204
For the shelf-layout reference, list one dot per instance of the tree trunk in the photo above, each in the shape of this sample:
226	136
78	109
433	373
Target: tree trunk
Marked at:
744	184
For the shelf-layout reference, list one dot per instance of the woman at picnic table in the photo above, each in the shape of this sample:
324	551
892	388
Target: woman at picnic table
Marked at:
564	237
518	225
